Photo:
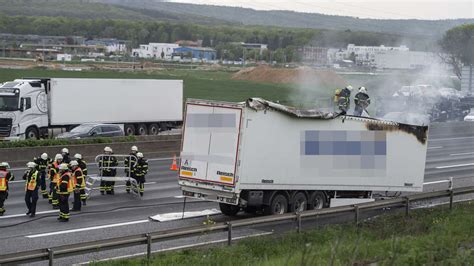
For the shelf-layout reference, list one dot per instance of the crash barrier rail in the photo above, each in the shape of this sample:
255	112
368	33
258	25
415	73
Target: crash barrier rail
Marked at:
51	254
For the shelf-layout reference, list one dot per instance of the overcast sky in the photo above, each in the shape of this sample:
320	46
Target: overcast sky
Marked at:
389	9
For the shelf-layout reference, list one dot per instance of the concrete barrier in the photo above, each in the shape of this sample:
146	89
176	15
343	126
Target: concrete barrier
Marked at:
152	147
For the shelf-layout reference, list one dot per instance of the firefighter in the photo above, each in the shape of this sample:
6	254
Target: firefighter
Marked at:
53	180
83	166
5	177
42	165
344	98
107	164
64	188
139	171
362	101
79	184
65	154
31	188
129	163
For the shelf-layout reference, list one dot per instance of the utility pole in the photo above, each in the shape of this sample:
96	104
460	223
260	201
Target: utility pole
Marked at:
243	57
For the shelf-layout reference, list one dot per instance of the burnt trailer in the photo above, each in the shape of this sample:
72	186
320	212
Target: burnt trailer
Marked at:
262	156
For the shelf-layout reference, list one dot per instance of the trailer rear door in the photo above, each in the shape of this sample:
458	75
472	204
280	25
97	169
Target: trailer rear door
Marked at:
210	143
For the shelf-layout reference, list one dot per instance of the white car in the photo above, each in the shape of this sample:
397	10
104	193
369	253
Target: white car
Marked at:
470	117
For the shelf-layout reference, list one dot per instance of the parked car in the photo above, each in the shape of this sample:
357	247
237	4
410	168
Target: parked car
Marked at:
470	117
93	131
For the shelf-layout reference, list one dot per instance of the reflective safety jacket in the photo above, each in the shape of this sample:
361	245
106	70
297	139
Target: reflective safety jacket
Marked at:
130	162
54	172
31	178
107	164
41	165
141	168
5	177
66	184
78	178
83	166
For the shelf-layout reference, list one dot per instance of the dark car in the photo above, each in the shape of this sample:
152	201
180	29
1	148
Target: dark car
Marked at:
92	131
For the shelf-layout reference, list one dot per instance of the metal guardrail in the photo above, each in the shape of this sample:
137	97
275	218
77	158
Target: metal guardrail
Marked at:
147	239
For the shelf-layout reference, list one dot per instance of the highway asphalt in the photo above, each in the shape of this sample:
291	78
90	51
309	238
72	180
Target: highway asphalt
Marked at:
450	154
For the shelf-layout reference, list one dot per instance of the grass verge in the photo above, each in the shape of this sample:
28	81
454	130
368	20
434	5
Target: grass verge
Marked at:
427	237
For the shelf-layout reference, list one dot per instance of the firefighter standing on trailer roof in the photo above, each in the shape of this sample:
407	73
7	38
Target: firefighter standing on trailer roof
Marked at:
344	98
139	172
83	166
5	177
79	182
129	163
65	187
42	164
31	188
107	168
362	101
54	179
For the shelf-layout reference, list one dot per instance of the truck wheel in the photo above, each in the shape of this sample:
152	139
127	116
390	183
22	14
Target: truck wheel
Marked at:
317	200
142	130
153	129
129	130
278	205
229	210
31	133
299	203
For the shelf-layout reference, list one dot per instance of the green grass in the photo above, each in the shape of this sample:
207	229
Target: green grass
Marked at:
55	142
427	237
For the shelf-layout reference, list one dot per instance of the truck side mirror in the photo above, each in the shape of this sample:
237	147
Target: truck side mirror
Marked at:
22	104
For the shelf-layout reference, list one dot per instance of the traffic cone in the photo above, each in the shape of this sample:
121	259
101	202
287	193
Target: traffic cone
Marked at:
174	166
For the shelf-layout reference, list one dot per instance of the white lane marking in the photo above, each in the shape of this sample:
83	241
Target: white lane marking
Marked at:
454	166
450	139
179	197
176	248
146	183
87	229
17	181
437	147
459	154
172	216
22	214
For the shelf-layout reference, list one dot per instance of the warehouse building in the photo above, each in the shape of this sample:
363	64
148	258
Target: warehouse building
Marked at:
196	53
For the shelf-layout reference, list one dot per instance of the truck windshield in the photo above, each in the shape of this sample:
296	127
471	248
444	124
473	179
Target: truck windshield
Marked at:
9	103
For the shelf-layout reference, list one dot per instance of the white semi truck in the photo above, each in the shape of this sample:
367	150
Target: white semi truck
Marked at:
31	108
263	156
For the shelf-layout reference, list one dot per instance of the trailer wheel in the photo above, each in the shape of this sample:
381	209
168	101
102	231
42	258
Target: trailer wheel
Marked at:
129	129
153	129
142	130
299	202
317	200
229	210
278	205
31	133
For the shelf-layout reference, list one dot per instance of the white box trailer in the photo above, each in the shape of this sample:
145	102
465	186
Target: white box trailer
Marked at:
260	155
31	107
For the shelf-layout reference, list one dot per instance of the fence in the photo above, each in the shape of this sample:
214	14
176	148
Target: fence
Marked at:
149	238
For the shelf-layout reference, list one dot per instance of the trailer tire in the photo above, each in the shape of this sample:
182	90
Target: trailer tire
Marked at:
278	205
129	129
142	130
298	203
229	210
153	129
31	133
317	200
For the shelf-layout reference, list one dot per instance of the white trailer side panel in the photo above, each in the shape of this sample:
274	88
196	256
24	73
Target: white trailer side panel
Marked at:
283	152
210	142
77	101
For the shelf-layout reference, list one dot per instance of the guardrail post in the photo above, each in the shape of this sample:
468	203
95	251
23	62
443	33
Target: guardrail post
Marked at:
407	206
148	246
229	233
298	222
356	214
451	193
50	256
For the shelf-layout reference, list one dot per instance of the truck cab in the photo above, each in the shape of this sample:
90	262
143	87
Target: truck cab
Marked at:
23	109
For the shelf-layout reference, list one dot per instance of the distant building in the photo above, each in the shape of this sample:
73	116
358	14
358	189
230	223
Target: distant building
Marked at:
254	46
467	80
365	55
199	53
188	43
155	50
393	59
110	45
64	57
314	55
